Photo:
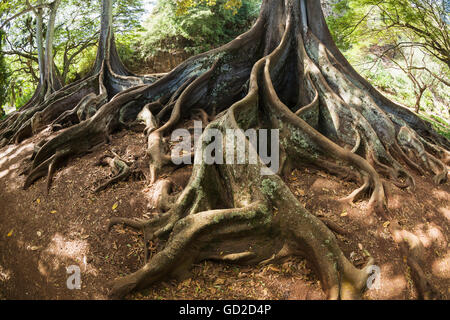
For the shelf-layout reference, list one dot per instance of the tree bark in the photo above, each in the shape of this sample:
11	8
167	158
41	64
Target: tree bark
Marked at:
40	44
50	79
285	73
13	94
418	99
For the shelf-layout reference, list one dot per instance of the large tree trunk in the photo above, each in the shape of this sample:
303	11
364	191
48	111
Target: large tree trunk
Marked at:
51	82
77	101
40	44
17	127
285	73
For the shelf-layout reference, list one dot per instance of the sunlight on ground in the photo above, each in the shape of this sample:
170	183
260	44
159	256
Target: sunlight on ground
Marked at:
9	161
4	173
5	275
392	287
5	154
61	253
441	267
430	233
445	212
441	195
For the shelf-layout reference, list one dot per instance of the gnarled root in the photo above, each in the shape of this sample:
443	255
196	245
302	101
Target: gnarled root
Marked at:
283	74
412	248
189	236
120	169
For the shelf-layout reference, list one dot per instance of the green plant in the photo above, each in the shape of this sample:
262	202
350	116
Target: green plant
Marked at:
200	28
4	74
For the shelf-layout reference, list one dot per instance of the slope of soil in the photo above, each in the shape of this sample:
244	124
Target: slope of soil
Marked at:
41	235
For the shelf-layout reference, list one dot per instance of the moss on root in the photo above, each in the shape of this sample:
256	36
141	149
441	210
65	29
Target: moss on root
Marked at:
233	206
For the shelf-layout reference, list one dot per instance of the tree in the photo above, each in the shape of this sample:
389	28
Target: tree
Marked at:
76	26
196	29
424	23
28	120
48	82
285	73
421	77
75	33
373	33
3	78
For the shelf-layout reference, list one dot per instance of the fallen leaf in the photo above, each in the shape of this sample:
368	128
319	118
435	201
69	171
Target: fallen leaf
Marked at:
186	283
219	282
274	269
10	233
386	224
34	248
344	214
115	205
53	211
38	200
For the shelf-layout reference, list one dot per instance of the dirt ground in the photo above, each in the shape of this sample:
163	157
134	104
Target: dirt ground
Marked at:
41	235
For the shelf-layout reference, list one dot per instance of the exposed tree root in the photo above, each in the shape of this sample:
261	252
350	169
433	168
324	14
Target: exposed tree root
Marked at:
286	74
413	250
120	168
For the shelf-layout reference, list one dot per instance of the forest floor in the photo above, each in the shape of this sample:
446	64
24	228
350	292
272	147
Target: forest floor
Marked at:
41	235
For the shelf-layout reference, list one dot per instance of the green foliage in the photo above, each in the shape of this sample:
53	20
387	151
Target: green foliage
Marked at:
423	23
75	43
439	124
26	90
127	50
384	41
341	23
4	74
126	15
183	6
201	27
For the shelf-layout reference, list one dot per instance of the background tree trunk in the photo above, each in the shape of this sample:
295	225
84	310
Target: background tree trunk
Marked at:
40	44
287	74
52	82
419	99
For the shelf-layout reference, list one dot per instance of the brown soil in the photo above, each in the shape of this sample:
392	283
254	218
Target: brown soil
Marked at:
41	235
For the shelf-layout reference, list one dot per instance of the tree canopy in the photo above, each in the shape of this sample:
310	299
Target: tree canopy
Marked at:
402	48
422	23
3	77
183	6
224	198
195	26
73	44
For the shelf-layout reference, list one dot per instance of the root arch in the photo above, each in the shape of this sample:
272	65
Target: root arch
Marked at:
286	74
